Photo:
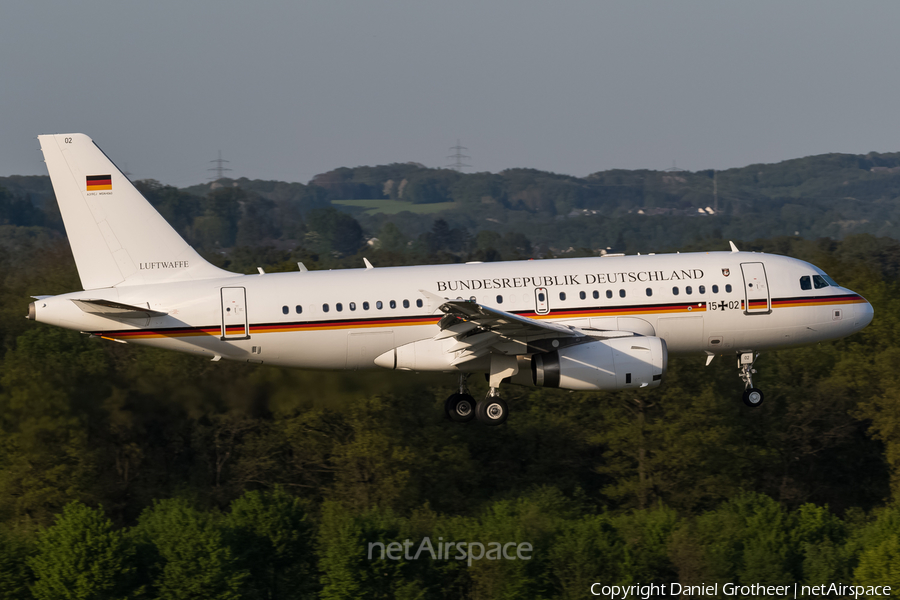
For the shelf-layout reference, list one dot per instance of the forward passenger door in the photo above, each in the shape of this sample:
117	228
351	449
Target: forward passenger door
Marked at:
757	299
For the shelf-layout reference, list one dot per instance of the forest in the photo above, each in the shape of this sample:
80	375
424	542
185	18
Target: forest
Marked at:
127	472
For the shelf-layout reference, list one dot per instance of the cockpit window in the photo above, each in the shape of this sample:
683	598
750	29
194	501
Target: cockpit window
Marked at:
805	283
819	282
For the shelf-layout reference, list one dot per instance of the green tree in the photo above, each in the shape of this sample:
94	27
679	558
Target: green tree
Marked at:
430	186
50	386
876	547
15	577
391	239
81	556
187	553
272	537
745	540
584	551
334	231
880	565
351	564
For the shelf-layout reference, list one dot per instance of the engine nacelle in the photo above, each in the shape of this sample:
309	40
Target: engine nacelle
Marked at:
614	364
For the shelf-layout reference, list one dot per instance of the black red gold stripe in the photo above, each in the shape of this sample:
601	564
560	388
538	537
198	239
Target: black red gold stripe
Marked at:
556	315
818	300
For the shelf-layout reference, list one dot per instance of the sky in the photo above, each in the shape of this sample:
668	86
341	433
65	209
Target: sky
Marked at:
288	89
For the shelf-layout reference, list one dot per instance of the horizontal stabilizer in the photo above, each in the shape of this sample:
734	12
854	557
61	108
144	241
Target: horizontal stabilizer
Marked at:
117	310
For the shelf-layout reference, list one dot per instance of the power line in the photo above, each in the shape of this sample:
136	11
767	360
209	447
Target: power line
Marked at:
458	157
219	169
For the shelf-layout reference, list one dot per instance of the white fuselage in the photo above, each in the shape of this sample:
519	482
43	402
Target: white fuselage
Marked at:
712	303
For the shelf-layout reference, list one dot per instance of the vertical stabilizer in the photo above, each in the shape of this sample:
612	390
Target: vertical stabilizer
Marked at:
117	237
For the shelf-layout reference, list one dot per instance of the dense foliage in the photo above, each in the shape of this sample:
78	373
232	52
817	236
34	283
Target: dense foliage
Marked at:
127	472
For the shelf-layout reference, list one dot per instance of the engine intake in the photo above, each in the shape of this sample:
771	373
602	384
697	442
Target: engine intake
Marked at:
607	365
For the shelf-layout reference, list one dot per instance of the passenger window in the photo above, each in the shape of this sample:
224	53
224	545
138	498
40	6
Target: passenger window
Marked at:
353	306
675	290
702	289
298	309
596	294
365	306
649	292
339	307
582	295
562	295
819	282
393	304
324	308
715	289
284	309
419	303
621	293
727	288
406	304
805	283
379	305
609	293
499	299
541	297
688	290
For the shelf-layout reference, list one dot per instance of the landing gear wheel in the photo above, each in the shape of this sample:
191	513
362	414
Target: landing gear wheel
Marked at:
492	411
753	397
460	408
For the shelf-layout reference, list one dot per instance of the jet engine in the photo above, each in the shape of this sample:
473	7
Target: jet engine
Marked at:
603	365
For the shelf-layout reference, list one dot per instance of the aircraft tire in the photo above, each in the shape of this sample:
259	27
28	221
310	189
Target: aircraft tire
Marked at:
460	408
753	397
492	411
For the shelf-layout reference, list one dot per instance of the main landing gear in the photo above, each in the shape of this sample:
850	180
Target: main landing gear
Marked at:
461	407
753	397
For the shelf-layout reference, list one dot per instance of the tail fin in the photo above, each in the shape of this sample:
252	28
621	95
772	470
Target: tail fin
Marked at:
117	237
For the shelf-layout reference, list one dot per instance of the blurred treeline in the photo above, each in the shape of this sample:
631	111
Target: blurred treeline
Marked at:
127	472
517	213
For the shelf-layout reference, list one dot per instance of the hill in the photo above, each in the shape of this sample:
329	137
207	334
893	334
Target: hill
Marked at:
398	206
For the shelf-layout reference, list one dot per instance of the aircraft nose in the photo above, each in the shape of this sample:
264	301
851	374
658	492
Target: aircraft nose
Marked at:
864	315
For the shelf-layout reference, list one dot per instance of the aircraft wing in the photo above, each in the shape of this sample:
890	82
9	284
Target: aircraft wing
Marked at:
480	330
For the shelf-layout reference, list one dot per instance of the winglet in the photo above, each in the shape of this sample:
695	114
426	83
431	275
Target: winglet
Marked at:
733	247
368	264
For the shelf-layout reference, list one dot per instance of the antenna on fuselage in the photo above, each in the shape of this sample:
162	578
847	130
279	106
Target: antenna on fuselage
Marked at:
733	247
368	264
302	267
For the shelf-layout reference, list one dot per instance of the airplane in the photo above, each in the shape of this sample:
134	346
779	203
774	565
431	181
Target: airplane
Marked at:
597	323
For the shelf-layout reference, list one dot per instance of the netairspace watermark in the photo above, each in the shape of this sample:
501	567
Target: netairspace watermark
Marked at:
468	551
756	590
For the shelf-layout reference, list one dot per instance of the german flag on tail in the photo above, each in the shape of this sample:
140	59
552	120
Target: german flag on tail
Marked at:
97	183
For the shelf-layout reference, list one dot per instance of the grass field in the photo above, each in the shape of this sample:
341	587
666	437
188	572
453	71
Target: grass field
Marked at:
392	207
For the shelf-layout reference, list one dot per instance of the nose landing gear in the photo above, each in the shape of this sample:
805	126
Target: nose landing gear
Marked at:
752	397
